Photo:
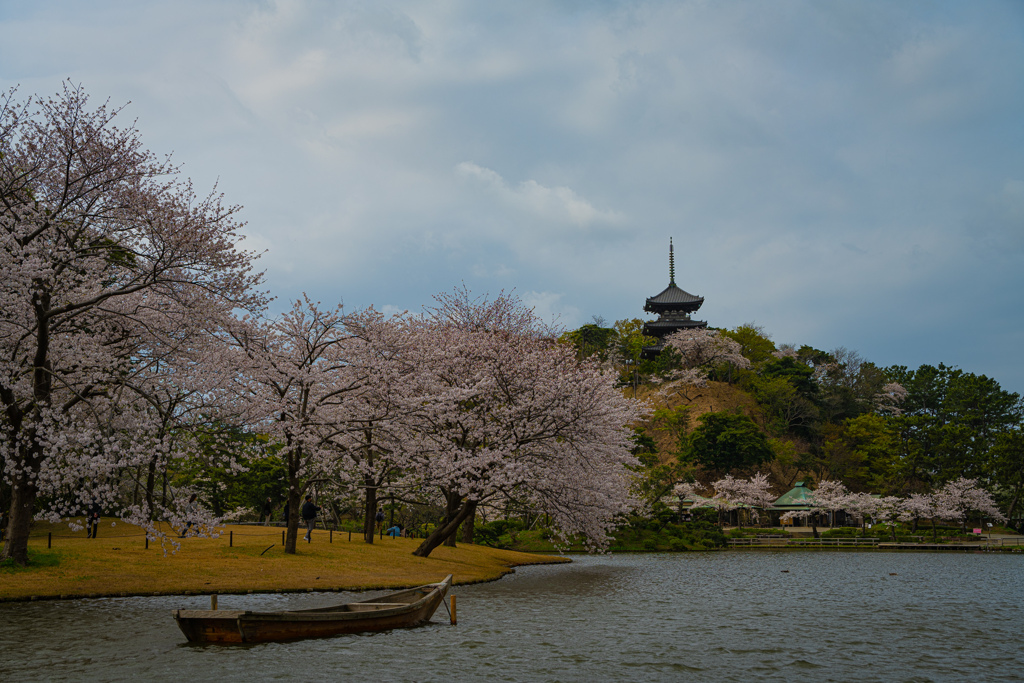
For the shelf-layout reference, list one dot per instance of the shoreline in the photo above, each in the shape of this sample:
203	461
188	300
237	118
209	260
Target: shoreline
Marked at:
239	562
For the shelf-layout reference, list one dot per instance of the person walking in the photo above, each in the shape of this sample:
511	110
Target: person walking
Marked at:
380	518
309	510
190	508
92	520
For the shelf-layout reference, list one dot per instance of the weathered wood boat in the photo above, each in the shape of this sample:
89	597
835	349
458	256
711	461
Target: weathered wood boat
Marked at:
403	609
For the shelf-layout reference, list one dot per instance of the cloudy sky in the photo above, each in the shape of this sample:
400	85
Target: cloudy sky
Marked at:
841	173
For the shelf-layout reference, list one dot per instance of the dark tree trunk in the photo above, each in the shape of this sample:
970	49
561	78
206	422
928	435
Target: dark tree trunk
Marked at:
135	494
468	527
441	533
150	487
453	501
23	499
369	509
294	501
1013	501
294	513
24	488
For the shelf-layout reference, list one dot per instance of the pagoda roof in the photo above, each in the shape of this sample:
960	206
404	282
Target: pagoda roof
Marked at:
674	324
673	295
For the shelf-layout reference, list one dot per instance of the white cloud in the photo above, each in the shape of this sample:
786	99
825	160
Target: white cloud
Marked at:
554	205
549	307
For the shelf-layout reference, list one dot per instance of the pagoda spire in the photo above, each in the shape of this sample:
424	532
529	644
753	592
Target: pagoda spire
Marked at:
671	264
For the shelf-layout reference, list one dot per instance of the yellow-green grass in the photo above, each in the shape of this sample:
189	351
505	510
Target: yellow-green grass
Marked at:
117	563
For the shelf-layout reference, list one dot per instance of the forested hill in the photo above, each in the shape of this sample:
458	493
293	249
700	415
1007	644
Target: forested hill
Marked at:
734	402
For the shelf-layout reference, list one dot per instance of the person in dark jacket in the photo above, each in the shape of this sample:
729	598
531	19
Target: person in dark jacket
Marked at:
287	507
309	510
190	510
268	509
92	523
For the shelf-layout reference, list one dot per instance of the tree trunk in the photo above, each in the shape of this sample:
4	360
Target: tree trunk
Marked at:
441	533
468	527
935	531
294	513
369	509
138	476
453	501
150	487
1013	501
23	498
23	488
294	501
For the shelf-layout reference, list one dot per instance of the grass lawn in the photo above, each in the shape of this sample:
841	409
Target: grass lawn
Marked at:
117	563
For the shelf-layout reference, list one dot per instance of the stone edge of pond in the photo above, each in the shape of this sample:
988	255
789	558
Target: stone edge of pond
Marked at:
337	589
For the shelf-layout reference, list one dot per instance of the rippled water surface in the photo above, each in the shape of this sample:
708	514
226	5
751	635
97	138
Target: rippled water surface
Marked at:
697	617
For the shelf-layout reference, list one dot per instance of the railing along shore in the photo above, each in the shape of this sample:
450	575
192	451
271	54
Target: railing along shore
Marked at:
875	543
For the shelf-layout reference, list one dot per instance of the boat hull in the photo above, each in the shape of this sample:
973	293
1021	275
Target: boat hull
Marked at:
380	614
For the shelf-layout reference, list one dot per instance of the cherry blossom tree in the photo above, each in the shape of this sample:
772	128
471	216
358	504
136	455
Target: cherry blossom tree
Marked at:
957	499
376	436
862	505
701	350
758	494
920	505
753	493
889	510
98	242
504	411
688	490
295	377
888	400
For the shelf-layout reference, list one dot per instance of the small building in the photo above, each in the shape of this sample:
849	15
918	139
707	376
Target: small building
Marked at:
800	499
673	306
797	499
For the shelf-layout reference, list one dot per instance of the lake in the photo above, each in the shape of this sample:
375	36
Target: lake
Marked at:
725	616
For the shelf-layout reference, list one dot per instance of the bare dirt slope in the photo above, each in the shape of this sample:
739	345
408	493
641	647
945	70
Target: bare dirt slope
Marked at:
715	397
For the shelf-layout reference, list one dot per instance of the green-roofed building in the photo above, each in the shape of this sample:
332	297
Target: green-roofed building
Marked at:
796	499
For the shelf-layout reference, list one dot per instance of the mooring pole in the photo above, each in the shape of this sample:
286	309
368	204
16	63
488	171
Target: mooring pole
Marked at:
454	620
213	601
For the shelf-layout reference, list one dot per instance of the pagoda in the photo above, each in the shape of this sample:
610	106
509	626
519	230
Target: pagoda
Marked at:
673	307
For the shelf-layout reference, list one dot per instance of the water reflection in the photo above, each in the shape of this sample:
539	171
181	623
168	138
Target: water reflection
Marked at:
713	616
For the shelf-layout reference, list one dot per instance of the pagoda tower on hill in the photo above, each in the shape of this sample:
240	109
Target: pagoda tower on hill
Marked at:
673	307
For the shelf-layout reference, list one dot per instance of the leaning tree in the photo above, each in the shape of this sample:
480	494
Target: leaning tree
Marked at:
99	240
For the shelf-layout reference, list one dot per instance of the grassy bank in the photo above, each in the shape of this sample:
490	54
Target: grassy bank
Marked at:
118	563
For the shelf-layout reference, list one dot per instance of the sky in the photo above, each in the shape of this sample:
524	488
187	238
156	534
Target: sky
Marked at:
839	173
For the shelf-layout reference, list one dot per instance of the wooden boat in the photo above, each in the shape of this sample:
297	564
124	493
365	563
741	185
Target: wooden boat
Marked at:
403	609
